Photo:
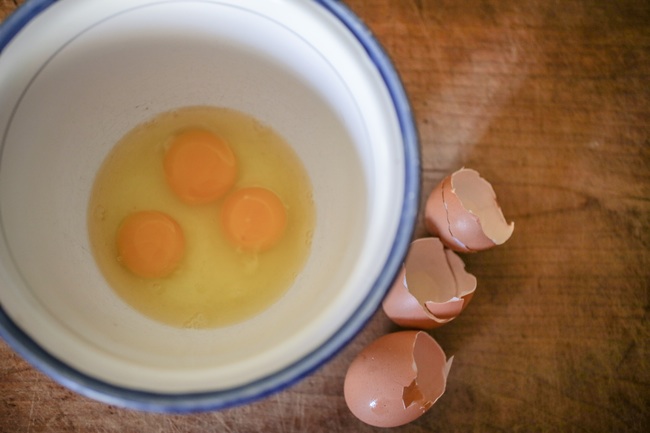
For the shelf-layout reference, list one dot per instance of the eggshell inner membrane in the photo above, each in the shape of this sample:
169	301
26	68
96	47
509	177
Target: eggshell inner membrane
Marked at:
478	197
428	276
431	369
465	282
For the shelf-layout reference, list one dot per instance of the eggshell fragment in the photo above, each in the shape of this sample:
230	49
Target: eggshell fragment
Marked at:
432	289
396	379
462	210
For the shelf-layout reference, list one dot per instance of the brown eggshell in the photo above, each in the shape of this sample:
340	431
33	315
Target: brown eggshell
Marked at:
404	309
436	221
463	211
396	379
432	289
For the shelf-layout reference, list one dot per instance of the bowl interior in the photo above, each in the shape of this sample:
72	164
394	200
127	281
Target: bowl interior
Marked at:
101	68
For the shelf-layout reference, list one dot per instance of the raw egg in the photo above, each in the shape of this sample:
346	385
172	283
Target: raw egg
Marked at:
396	379
462	210
156	209
200	167
254	219
432	289
150	244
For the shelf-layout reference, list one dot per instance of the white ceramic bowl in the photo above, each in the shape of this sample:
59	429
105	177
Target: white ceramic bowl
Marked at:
76	75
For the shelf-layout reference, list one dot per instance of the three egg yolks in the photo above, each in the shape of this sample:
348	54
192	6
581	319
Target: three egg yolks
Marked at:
200	168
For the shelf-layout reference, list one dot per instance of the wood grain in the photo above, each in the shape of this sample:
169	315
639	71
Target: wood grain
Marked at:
550	101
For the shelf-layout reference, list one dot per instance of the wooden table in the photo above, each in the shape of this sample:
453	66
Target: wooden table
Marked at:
550	101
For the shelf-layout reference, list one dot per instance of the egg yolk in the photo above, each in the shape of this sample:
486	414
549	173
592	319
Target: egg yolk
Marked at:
199	166
254	218
150	244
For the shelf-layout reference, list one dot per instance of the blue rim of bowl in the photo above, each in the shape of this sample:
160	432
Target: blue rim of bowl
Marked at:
215	400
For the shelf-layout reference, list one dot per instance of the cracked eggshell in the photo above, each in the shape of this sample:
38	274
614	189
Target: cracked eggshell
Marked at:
463	211
433	287
396	379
